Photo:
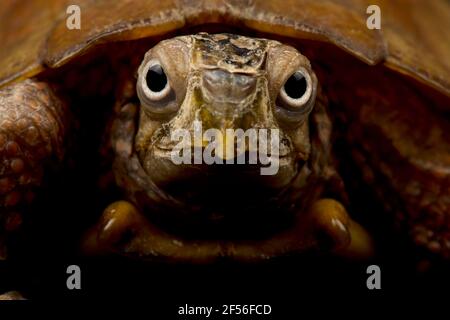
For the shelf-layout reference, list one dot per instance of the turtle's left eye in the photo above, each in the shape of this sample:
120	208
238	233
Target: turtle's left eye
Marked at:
296	86
296	91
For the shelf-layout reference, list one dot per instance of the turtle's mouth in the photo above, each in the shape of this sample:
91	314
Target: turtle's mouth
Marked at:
237	179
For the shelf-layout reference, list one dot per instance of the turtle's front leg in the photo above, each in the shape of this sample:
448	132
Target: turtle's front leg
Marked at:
32	130
125	230
335	229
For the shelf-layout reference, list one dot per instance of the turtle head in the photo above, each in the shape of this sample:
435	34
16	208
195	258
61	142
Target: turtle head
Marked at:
227	132
208	100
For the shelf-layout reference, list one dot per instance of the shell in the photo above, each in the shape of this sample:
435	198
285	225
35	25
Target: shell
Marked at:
412	40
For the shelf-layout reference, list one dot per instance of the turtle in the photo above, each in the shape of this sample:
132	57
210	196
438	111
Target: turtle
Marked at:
358	117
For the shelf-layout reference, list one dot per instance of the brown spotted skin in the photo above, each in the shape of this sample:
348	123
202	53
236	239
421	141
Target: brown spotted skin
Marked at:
32	130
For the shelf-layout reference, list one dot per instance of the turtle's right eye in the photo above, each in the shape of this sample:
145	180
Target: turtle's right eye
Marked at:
154	89
156	81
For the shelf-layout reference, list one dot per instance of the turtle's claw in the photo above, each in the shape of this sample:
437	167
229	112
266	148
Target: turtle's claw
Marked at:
335	230
331	223
118	220
117	224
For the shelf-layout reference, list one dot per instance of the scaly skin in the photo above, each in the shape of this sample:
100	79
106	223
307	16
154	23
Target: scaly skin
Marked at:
32	130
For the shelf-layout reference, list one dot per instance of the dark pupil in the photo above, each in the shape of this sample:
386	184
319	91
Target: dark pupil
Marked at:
295	86
156	78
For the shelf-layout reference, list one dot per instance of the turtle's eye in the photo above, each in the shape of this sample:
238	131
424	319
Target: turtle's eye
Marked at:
296	91
295	99
154	88
156	80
